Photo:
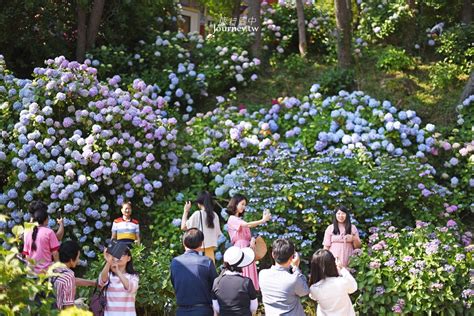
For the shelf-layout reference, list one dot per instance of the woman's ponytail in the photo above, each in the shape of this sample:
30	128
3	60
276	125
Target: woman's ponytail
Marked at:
35	233
205	198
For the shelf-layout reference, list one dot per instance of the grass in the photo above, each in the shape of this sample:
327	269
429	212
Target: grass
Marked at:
407	90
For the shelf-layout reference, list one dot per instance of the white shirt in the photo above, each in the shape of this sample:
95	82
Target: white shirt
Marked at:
210	234
332	295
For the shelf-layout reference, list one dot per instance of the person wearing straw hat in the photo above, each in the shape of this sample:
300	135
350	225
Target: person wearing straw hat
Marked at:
232	293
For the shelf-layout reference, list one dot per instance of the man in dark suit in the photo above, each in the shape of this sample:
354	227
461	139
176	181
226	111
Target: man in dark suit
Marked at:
192	276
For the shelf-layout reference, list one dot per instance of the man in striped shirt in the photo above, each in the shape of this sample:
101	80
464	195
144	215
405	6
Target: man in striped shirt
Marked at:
64	281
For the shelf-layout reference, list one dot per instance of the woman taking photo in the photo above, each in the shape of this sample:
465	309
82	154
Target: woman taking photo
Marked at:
234	294
121	281
206	220
41	243
330	285
341	237
239	232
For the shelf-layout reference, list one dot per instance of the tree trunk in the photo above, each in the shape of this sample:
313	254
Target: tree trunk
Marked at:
467	11
236	12
81	33
254	22
94	22
411	29
468	88
344	32
301	28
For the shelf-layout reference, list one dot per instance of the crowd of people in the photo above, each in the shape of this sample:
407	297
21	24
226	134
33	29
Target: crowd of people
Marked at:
45	253
199	289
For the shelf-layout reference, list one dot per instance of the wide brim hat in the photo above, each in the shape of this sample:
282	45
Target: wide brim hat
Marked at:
239	257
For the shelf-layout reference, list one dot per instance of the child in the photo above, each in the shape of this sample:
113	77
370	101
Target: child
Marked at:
41	243
121	280
65	282
126	229
341	237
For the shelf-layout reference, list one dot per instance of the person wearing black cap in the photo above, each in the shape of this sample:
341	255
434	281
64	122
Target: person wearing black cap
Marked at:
234	294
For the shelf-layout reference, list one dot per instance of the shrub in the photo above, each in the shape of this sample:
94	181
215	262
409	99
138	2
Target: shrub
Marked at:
83	146
336	79
444	75
414	270
394	59
456	47
18	287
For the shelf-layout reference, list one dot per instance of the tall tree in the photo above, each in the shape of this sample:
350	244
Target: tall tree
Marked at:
301	28
254	21
87	33
344	32
467	11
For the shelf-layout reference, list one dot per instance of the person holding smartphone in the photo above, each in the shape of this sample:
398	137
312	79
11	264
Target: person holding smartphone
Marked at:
331	285
206	220
239	232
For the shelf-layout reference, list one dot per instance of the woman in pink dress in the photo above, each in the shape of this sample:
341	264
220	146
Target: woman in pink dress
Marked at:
239	232
341	237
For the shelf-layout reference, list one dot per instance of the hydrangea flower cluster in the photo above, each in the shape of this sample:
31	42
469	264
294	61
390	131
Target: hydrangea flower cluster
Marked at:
83	145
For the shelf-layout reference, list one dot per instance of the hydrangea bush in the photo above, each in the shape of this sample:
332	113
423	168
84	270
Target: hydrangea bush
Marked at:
84	145
183	67
414	270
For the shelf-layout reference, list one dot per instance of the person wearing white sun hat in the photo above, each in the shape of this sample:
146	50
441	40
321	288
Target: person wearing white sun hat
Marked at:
234	294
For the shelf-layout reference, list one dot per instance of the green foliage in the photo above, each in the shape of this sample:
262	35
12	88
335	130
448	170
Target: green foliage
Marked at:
445	75
410	271
336	79
19	285
456	46
394	59
295	63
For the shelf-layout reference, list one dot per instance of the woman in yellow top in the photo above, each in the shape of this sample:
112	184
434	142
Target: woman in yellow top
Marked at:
206	220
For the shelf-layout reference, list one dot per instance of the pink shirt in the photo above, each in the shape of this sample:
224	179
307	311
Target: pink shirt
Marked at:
120	302
46	244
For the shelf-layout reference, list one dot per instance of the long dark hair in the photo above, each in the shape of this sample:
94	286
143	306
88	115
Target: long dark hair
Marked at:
232	206
129	267
39	210
323	265
231	268
347	223
205	198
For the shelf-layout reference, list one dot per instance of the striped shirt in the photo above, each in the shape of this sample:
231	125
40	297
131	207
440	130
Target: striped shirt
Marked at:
119	300
64	286
126	229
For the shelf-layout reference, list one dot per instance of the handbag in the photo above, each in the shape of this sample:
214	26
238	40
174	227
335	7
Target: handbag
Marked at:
99	300
203	253
260	248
